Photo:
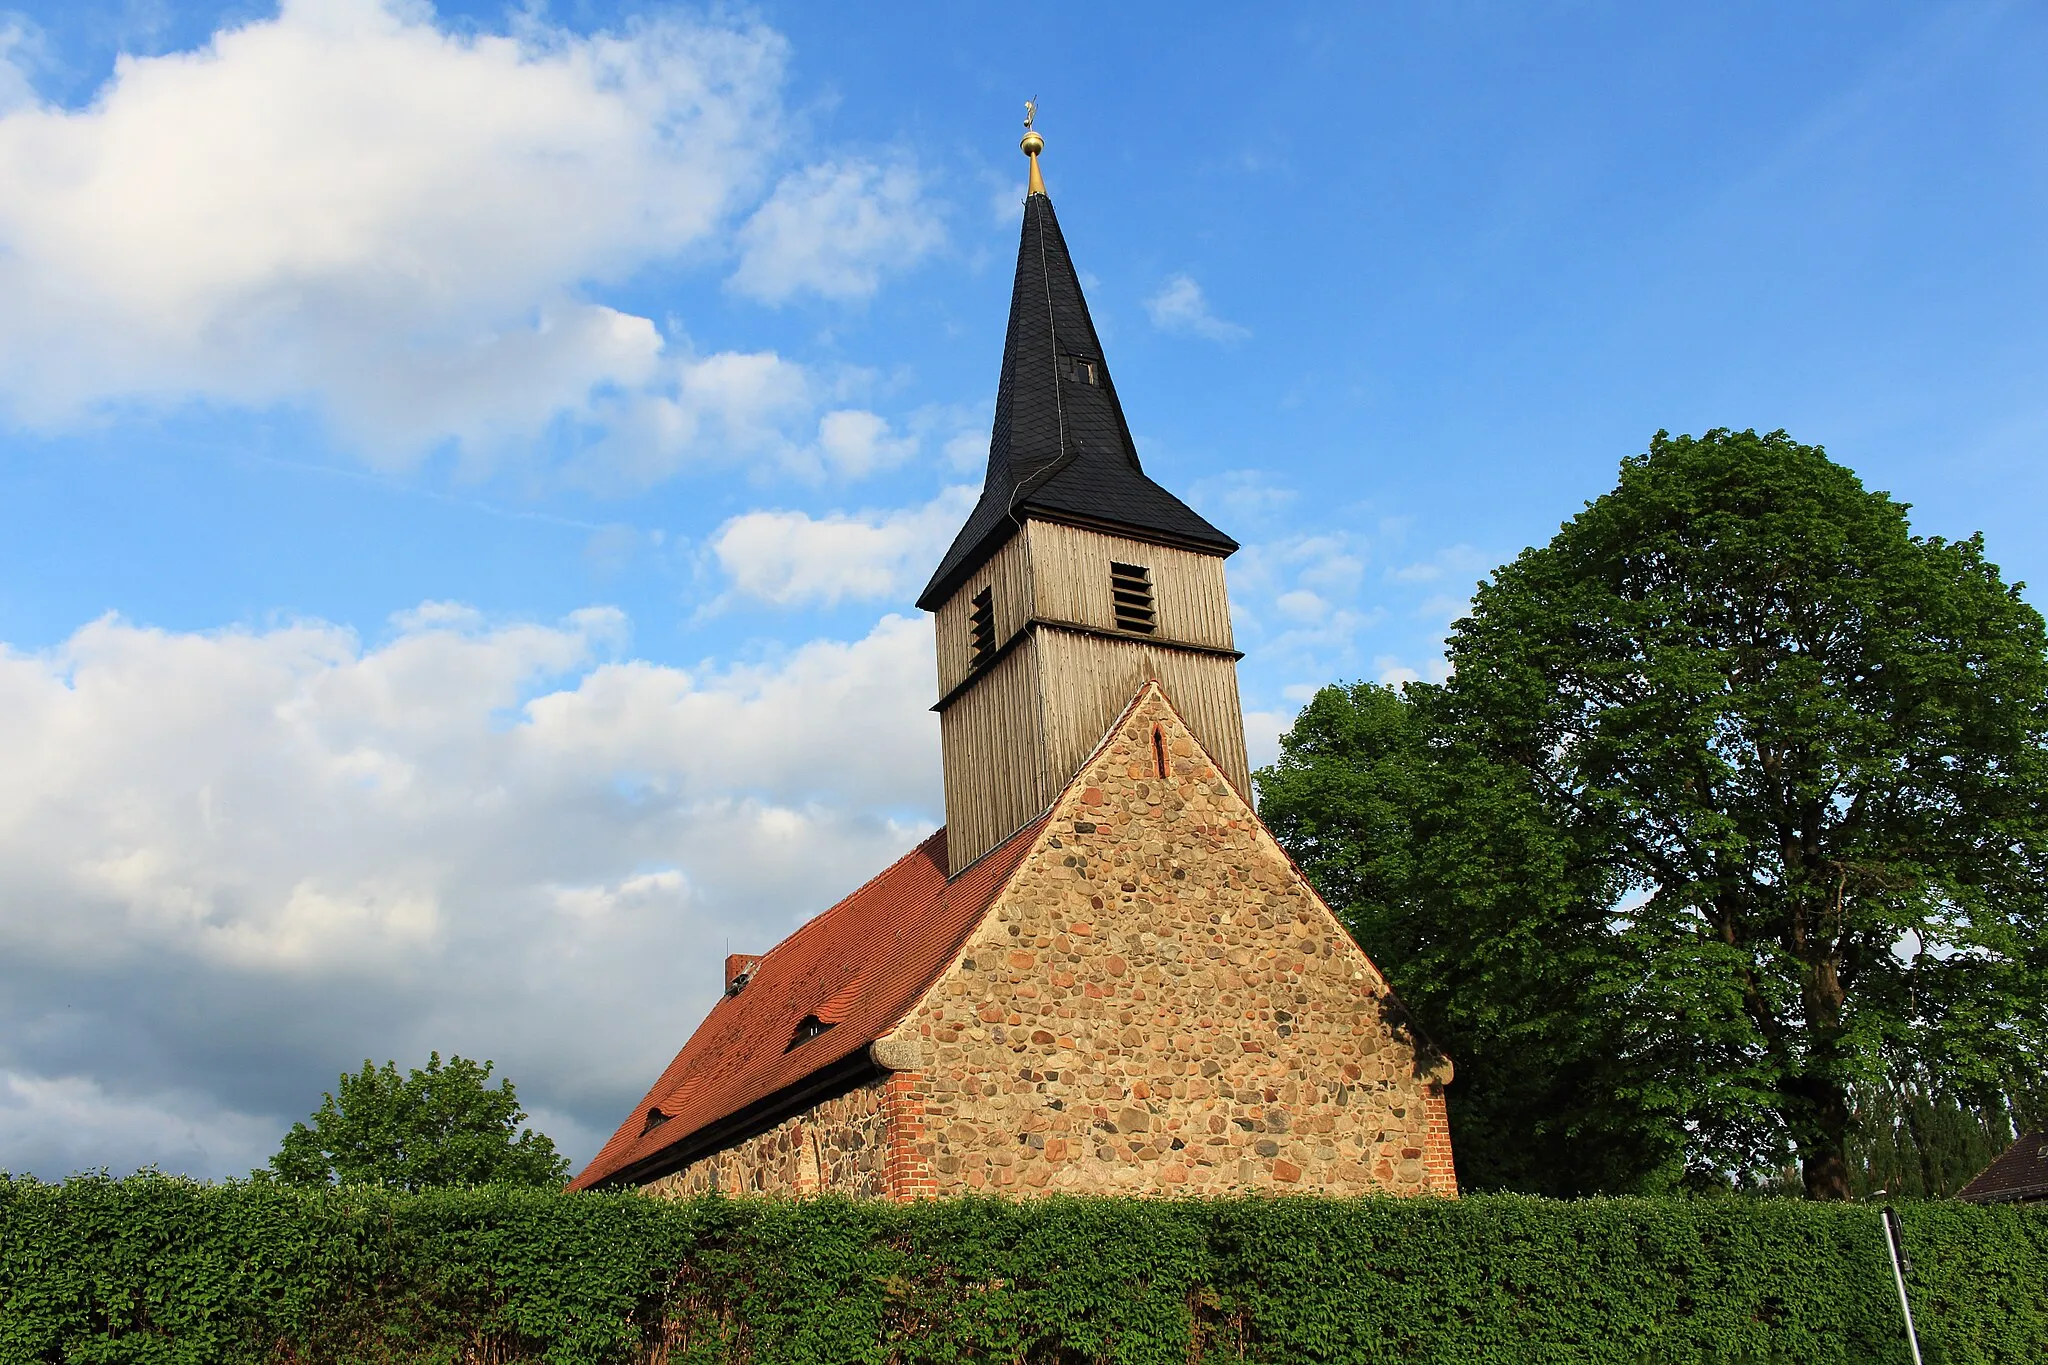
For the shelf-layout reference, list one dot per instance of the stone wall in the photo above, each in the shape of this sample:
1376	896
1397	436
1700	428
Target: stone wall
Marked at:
1159	1003
838	1147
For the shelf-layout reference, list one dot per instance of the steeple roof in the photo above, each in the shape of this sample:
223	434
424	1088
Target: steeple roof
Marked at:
1060	449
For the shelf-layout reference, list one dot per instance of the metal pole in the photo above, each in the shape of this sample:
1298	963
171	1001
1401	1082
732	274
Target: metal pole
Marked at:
1896	1249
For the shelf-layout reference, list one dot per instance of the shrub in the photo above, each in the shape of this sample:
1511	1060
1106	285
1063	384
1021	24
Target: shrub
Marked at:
158	1269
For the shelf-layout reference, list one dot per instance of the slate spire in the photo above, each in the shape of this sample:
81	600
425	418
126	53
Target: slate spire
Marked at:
1060	449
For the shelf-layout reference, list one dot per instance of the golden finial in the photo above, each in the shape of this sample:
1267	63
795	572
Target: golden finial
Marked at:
1032	144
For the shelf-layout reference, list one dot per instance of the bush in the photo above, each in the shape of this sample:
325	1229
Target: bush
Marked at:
154	1268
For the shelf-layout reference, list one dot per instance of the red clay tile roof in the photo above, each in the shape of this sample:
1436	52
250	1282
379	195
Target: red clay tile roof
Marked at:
859	967
2020	1174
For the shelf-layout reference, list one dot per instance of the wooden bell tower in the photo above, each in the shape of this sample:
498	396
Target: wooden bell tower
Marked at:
1076	577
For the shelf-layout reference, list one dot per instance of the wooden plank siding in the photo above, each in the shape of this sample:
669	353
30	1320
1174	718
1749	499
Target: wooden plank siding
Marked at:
1088	681
994	746
1015	735
1008	571
1070	582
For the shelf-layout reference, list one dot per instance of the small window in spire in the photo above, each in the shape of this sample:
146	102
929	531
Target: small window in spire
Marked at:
1130	590
981	628
1080	369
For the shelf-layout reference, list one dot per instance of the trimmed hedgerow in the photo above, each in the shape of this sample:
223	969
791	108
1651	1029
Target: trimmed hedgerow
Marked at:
155	1269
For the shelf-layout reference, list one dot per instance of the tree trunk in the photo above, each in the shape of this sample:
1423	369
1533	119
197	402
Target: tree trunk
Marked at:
1923	1143
1824	1146
1822	1130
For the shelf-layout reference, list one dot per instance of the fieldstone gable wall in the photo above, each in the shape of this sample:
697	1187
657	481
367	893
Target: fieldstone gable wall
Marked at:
1158	1002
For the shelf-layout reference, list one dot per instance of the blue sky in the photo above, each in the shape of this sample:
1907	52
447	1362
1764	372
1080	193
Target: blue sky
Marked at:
465	471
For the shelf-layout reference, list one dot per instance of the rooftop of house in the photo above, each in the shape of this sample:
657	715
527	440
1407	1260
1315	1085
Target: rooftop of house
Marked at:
810	1006
2021	1173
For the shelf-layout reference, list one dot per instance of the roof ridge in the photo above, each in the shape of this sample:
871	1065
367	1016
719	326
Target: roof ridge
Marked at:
792	935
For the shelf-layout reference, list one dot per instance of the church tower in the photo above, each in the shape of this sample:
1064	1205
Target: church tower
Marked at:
1075	579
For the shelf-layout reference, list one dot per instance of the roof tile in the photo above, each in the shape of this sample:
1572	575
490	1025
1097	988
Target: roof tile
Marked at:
858	967
2020	1173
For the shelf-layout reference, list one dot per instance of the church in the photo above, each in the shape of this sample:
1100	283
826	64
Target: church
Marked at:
1103	975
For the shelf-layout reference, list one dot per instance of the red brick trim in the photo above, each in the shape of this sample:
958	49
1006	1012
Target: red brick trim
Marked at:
909	1169
1443	1175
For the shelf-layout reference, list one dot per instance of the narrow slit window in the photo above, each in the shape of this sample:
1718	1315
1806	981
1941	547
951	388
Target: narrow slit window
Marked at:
1130	591
1159	767
981	628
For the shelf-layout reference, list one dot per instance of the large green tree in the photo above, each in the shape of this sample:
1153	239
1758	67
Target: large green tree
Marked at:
1495	929
1738	792
442	1124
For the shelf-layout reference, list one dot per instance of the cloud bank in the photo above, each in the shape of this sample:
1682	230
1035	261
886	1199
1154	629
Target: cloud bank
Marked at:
832	230
794	559
410	229
234	863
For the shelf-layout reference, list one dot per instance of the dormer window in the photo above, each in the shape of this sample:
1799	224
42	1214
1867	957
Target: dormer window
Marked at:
1130	591
810	1028
1080	369
655	1118
981	628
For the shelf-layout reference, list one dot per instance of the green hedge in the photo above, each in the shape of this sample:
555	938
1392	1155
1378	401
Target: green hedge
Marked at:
152	1269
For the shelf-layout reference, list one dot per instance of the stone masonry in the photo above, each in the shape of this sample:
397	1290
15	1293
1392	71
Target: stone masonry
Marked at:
1157	1003
839	1146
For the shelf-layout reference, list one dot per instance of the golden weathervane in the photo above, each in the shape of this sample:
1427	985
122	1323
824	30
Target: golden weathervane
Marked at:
1032	145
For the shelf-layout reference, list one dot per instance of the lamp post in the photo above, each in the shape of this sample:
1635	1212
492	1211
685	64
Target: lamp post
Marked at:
1895	1247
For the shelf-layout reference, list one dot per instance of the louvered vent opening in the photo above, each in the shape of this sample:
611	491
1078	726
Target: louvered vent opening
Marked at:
1130	588
981	627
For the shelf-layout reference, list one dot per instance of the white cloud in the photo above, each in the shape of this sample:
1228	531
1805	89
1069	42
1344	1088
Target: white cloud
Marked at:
960	430
1005	197
1244	497
1322	565
349	207
750	409
233	863
668	888
1393	672
727	408
1262	731
1443	607
20	48
795	559
834	229
60	1124
856	443
1180	306
1457	559
1301	605
967	451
